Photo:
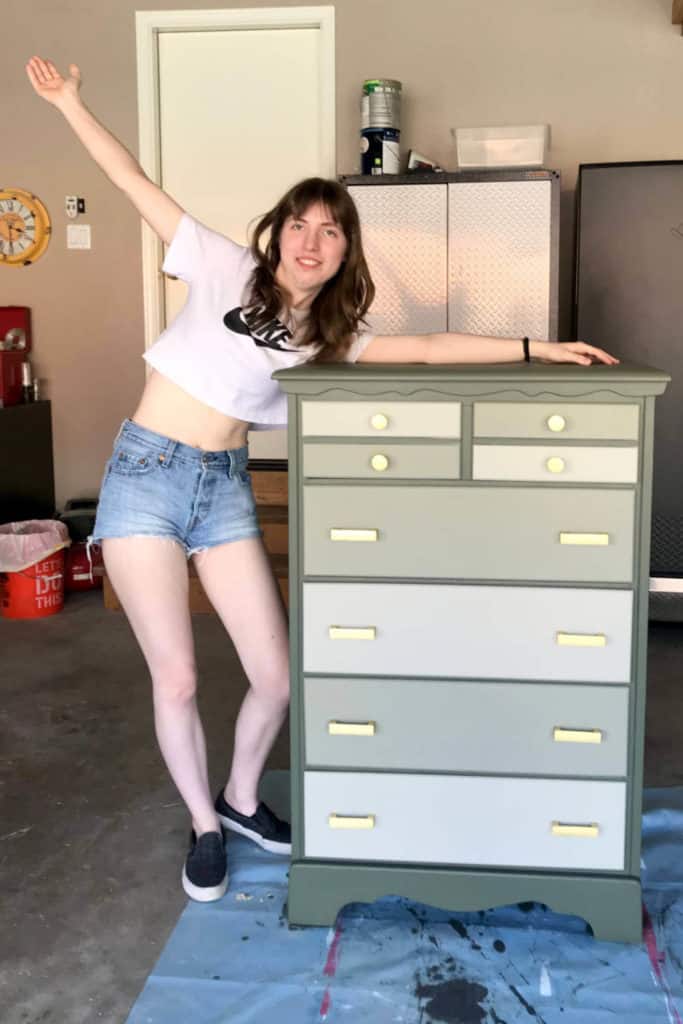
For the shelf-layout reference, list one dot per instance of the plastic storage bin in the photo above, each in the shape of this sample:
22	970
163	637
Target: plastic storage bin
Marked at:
505	146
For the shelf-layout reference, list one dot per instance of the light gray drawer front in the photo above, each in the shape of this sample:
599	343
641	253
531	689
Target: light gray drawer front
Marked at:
383	461
558	464
411	724
475	820
378	418
475	632
556	420
583	536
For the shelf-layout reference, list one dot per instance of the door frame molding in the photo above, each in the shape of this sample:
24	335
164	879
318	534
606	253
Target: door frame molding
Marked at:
149	26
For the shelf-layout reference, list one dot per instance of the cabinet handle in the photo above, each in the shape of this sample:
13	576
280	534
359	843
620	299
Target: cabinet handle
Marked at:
562	735
351	821
581	639
338	533
584	831
351	728
556	423
352	632
555	464
379	421
379	463
587	539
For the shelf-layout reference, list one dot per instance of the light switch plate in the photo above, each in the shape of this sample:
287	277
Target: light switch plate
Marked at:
78	236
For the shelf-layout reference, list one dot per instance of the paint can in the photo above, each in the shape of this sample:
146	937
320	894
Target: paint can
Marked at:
380	126
379	151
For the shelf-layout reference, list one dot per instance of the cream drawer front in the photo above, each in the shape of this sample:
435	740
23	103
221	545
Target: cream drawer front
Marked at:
571	534
556	419
418	725
562	463
380	419
441	819
383	461
475	632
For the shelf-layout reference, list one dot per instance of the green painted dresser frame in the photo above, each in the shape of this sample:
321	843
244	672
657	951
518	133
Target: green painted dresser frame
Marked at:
318	887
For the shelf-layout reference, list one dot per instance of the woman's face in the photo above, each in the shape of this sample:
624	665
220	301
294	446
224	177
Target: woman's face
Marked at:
312	248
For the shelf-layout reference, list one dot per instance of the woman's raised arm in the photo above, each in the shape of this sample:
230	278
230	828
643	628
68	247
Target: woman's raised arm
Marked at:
160	211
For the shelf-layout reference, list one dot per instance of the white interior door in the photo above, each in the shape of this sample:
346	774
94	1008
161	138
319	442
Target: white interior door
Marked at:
244	108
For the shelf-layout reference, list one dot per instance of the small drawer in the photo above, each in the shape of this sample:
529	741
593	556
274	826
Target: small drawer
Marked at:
556	420
472	632
383	461
558	464
380	419
460	819
570	534
462	726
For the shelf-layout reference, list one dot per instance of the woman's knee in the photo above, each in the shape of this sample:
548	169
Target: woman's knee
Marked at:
273	684
174	684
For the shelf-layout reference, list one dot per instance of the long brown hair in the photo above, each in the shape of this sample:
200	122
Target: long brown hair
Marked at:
340	306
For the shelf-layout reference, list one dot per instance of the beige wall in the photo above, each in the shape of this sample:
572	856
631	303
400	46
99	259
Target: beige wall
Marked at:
607	75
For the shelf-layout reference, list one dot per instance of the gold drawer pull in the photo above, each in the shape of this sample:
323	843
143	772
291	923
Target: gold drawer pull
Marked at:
566	828
555	464
351	728
379	421
581	639
556	423
561	735
352	632
337	533
379	463
351	821
587	539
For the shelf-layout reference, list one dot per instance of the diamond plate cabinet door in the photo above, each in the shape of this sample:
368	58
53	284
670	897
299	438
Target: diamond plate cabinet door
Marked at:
468	636
473	252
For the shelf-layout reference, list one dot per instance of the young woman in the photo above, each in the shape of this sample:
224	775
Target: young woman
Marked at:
177	486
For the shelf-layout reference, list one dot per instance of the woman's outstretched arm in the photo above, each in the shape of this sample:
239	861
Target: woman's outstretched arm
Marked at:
160	211
471	348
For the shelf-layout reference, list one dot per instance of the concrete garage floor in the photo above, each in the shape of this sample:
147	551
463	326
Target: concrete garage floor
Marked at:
92	833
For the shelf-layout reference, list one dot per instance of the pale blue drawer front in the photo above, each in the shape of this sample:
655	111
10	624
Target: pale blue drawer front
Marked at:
471	632
577	535
476	820
423	725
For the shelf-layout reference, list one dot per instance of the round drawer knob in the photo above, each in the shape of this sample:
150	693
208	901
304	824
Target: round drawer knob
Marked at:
379	463
555	464
556	423
379	421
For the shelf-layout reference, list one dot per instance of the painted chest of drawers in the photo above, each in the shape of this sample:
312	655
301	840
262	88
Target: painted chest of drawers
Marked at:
468	597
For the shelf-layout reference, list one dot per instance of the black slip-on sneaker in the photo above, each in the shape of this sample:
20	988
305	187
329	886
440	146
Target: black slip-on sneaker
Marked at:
205	873
263	827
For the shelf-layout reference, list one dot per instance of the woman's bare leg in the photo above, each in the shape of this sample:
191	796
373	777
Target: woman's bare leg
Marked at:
240	584
149	575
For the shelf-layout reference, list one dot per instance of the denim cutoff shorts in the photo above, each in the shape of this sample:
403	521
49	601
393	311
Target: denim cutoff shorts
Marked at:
154	486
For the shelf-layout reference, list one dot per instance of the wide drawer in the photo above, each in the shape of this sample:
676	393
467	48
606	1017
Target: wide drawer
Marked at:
475	632
383	461
422	725
598	422
557	464
437	819
380	419
573	534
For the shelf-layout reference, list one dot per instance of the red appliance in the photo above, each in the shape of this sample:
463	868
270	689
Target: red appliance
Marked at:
15	328
83	571
10	377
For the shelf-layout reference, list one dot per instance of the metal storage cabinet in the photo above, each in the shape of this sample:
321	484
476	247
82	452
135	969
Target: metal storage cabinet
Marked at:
468	595
473	252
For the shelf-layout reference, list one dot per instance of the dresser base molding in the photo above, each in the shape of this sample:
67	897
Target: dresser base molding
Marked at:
612	906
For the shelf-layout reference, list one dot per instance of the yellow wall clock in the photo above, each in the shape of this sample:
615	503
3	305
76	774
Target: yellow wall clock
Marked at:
24	227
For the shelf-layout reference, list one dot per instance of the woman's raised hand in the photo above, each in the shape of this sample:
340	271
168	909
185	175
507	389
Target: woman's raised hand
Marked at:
49	84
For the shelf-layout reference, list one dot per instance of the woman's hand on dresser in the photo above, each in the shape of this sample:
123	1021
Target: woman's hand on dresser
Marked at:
570	352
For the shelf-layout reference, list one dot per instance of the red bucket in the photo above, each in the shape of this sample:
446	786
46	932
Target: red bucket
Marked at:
33	592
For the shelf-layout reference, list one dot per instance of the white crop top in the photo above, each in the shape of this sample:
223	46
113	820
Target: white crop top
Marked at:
208	350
